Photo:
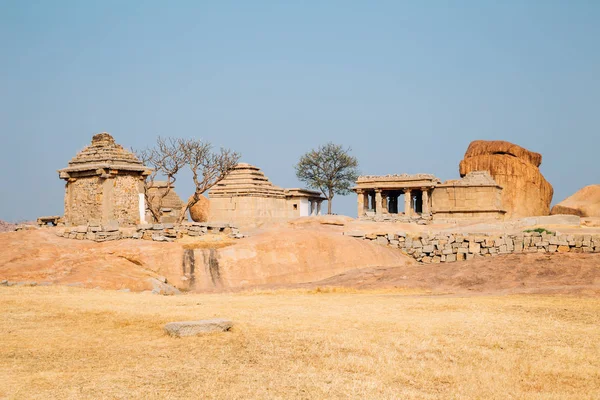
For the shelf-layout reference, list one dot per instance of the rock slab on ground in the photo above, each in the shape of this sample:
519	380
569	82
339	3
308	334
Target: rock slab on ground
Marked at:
193	328
525	191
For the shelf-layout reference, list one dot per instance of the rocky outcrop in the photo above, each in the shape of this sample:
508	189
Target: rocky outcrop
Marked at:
584	203
525	190
199	211
7	226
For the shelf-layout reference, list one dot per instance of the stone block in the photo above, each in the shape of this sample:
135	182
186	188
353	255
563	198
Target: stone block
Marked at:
552	248
158	227
161	238
382	240
436	260
460	256
193	328
451	258
447	251
428	248
426	260
111	226
474	247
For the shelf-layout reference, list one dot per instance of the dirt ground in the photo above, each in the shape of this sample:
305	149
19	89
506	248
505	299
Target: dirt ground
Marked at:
71	343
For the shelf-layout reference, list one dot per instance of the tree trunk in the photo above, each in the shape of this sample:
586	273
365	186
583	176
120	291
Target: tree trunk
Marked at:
193	200
329	205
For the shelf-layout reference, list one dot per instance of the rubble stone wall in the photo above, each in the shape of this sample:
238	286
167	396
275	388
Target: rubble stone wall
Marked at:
157	232
437	248
83	200
126	200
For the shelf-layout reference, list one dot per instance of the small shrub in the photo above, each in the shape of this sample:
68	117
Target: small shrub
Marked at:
540	230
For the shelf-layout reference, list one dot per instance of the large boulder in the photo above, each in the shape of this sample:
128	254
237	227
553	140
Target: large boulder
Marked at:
199	211
525	190
584	203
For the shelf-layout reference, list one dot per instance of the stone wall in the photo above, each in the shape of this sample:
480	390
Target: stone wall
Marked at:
126	200
475	196
251	210
83	200
436	248
167	232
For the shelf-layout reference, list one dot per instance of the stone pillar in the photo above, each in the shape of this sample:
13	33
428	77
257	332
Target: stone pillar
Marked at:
425	201
311	206
378	202
372	207
384	203
319	206
360	197
408	203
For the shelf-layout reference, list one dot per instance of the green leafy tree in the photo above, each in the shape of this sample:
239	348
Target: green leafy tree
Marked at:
330	169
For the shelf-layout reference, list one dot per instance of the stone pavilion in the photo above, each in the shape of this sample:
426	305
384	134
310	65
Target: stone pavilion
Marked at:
104	184
475	196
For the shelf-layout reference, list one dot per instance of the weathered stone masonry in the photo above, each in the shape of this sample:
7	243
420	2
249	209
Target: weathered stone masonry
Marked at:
166	232
437	248
104	183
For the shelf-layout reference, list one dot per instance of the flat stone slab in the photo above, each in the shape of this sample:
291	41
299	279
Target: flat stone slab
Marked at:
193	328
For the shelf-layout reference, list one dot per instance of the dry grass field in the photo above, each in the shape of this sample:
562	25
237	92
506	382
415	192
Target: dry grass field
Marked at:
62	343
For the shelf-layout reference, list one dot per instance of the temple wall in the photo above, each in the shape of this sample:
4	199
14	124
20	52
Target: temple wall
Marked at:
94	199
124	207
252	210
467	202
83	200
171	204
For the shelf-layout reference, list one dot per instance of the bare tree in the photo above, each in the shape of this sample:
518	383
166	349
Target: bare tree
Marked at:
330	169
165	159
208	167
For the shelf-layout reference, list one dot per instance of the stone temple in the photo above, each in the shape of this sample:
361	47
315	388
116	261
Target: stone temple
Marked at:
476	196
104	184
247	197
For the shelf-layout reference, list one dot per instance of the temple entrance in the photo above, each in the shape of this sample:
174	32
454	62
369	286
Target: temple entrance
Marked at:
417	202
394	202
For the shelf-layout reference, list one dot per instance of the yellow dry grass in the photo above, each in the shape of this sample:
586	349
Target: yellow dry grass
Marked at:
63	343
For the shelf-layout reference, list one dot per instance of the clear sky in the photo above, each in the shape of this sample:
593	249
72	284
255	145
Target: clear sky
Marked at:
407	85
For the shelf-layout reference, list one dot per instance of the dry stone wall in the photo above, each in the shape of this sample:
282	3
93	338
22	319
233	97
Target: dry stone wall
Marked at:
444	247
157	232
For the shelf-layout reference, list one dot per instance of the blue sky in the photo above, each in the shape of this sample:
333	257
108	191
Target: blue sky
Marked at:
407	85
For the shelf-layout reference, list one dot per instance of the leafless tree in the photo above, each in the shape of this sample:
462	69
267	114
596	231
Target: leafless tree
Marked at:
208	167
165	159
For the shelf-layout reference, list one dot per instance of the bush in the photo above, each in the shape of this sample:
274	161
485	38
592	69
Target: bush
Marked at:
540	230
